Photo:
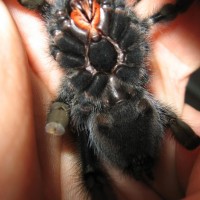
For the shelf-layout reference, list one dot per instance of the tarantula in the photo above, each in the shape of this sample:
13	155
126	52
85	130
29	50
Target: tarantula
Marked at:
104	49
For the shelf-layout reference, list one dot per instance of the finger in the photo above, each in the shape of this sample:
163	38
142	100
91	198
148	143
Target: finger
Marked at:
35	39
168	81
18	156
187	162
55	160
176	53
48	146
176	56
193	187
72	186
181	37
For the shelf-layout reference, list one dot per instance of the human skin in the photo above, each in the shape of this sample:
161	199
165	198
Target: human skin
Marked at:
35	165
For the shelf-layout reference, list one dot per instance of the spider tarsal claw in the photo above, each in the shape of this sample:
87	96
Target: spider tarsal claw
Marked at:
57	119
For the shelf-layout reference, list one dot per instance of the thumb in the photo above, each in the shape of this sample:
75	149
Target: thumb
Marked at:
17	143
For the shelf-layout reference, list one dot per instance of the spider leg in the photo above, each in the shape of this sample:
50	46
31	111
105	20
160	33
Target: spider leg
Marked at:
184	134
30	4
180	130
170	11
94	178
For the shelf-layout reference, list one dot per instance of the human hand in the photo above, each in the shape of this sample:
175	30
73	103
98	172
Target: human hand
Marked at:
39	166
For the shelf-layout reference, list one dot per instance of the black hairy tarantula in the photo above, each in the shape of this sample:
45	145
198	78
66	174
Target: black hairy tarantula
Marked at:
103	47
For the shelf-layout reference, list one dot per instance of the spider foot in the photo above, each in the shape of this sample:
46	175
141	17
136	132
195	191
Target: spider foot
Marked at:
184	134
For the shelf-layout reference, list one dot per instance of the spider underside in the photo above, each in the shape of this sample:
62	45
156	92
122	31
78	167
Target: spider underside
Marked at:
104	49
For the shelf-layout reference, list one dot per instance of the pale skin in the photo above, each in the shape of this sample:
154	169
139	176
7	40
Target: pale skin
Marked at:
35	165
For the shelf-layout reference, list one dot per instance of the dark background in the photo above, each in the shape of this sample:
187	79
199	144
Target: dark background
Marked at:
192	96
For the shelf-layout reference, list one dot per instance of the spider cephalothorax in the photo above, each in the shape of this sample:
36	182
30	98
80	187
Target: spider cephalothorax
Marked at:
97	52
104	49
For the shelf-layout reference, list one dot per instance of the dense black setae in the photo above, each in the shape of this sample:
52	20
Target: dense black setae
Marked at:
104	49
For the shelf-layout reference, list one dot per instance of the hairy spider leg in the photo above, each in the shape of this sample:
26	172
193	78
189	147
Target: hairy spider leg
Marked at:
94	177
180	130
170	11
